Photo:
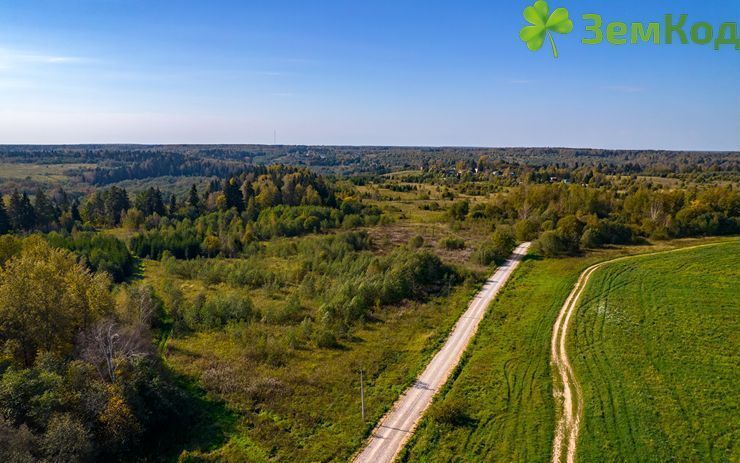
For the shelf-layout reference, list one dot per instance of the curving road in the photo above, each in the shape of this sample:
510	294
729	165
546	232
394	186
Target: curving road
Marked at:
394	429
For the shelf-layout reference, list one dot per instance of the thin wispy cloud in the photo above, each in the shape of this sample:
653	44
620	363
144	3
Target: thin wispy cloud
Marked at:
10	58
60	59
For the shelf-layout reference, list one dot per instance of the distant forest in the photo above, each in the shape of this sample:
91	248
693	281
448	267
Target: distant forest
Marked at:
115	163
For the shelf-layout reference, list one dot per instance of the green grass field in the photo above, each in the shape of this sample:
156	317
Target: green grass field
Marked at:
41	172
655	348
504	385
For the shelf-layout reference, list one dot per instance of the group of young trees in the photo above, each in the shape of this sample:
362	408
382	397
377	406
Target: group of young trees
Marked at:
79	380
567	218
99	252
361	282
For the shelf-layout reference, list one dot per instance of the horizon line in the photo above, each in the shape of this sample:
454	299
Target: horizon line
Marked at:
402	146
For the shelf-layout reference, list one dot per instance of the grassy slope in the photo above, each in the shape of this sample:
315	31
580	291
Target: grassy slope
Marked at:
505	381
655	348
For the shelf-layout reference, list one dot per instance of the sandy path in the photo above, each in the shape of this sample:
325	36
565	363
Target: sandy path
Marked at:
570	395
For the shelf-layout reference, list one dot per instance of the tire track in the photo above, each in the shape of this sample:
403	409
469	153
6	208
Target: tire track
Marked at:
568	425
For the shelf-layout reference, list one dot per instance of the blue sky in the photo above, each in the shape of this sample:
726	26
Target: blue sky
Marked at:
351	72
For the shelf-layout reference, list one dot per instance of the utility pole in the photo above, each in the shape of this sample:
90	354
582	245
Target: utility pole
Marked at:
362	396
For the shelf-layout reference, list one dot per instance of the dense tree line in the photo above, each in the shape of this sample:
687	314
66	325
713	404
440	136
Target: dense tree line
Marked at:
257	204
158	164
567	218
79	380
230	215
20	214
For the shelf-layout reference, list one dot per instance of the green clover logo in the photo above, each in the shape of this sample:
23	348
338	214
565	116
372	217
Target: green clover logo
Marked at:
542	24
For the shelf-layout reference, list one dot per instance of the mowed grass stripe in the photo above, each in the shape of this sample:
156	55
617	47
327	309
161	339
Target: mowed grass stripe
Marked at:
655	348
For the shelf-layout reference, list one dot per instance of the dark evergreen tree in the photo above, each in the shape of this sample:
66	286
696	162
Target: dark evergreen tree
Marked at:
193	198
173	205
93	208
21	213
61	199
46	213
115	202
4	219
74	211
150	202
233	195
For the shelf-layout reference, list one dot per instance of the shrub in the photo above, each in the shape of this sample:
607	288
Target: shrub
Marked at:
452	244
526	230
503	243
484	255
450	411
326	340
550	244
459	210
498	249
290	313
217	311
591	239
66	440
417	241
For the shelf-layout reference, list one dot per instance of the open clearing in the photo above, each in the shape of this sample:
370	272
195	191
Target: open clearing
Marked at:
654	346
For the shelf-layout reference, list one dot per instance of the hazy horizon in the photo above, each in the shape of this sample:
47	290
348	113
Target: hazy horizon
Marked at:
323	145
